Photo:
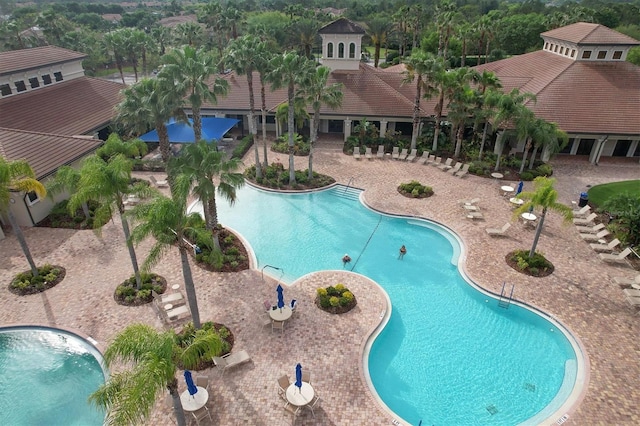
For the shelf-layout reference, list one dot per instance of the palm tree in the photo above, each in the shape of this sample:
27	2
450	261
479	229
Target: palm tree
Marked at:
190	34
243	55
379	30
190	70
445	16
290	70
303	33
162	36
545	197
154	358
263	62
434	75
528	128
485	80
18	176
114	45
416	67
202	164
316	93
462	106
551	139
108	183
66	179
509	106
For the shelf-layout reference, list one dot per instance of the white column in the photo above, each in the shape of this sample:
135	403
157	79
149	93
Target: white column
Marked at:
383	128
347	129
632	147
499	143
596	150
574	146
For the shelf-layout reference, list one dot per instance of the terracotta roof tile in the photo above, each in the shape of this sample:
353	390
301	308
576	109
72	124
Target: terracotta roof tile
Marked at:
25	59
587	33
44	152
342	26
72	107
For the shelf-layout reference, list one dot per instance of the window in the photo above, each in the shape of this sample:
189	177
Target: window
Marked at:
617	54
352	50
330	50
58	76
341	50
562	50
20	86
586	54
546	45
573	53
555	49
33	81
46	79
32	198
5	90
602	54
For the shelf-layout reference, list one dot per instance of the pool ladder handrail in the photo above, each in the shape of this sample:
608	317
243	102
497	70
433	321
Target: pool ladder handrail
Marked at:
348	184
504	302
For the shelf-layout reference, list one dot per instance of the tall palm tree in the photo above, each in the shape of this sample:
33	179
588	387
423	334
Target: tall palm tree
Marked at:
190	70
162	36
445	17
290	70
317	93
113	43
434	73
545	197
303	34
108	183
462	106
528	129
509	106
202	164
263	62
153	358
379	30
243	56
66	179
18	176
190	34
552	139
486	80
416	67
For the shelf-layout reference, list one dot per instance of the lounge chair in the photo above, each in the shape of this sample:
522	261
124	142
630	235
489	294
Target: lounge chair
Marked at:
396	153
455	169
412	155
471	207
403	154
446	165
605	247
626	282
470	202
437	162
463	172
430	160
631	292
178	313
380	153
591	229
497	232
633	301
474	215
586	221
582	212
616	258
230	360
158	183
368	154
423	158
173	298
595	237
356	152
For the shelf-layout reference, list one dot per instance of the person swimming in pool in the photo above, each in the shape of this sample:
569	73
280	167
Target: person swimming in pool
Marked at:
346	259
403	251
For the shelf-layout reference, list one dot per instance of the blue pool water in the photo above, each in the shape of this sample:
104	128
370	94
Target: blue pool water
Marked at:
46	376
449	354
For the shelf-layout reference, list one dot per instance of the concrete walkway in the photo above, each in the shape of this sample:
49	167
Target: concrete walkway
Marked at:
580	293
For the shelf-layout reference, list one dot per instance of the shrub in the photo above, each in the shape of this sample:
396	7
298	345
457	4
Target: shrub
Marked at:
339	287
527	176
25	283
322	292
300	147
544	170
335	299
243	147
415	189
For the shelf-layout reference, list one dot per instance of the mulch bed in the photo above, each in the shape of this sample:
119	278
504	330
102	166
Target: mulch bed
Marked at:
540	272
33	289
224	246
208	363
408	194
156	280
337	309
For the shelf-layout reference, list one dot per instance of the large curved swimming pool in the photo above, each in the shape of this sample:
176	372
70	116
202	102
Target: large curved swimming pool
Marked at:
46	376
448	353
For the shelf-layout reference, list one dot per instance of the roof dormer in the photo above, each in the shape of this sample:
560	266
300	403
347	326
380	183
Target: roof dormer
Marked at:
583	41
341	45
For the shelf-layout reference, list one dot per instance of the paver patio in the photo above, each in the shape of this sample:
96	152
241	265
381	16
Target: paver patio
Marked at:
580	293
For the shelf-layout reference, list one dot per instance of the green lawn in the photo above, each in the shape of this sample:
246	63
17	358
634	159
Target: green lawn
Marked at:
600	193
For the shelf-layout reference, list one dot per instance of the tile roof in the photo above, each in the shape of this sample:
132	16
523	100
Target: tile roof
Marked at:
172	21
44	152
342	26
72	107
587	33
580	96
25	59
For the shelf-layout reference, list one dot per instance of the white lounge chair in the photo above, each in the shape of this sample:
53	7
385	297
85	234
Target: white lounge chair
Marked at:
158	183
446	165
173	298
582	212
403	154
437	162
474	215
368	154
605	247
230	360
627	281
423	158
591	229
497	232
631	292
356	152
586	221
470	202
412	155
380	153
595	237
396	153
430	160
616	258
178	313
463	172
455	168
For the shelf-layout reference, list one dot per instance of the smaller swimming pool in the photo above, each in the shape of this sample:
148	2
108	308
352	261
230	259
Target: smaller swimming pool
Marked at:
46	376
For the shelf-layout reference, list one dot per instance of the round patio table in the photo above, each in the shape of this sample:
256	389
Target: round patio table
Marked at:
516	201
196	401
300	396
497	175
278	314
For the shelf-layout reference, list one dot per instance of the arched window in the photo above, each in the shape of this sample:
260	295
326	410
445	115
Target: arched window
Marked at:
330	50
352	50
340	50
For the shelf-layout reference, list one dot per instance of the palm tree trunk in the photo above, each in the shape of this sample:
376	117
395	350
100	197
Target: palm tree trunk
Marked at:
252	123
484	138
538	232
211	220
85	210
416	113
22	241
533	157
197	122
177	404
313	139
189	285
119	65
524	155
291	129
132	252
263	97
376	55
459	135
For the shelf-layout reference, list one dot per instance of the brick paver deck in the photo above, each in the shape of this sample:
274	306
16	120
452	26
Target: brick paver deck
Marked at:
580	293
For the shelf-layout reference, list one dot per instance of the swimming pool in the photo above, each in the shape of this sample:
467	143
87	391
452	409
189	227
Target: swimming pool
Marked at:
46	377
448	354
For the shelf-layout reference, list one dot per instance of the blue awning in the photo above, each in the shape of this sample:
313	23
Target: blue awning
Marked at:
213	128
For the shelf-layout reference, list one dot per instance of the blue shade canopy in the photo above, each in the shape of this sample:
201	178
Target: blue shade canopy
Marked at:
213	128
520	185
280	296
298	376
191	387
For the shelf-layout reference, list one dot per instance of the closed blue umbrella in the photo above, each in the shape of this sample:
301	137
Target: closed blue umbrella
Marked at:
520	185
298	376
191	387
280	296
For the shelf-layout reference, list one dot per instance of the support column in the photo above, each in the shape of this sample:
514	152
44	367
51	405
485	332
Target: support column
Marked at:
347	128
596	151
383	128
574	147
632	147
499	147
